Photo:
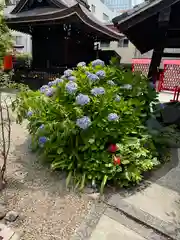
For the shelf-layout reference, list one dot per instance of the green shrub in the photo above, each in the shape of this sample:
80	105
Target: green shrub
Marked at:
91	123
22	60
5	36
23	56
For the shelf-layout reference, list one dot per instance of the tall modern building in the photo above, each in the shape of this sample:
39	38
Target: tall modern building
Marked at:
118	5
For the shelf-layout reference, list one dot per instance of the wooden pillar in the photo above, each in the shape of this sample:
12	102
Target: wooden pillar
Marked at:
97	51
163	23
155	62
33	51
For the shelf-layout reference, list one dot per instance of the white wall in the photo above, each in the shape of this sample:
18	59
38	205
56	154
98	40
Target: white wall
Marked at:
101	8
24	39
21	39
126	53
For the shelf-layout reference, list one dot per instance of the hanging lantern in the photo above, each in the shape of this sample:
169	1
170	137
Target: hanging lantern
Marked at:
8	62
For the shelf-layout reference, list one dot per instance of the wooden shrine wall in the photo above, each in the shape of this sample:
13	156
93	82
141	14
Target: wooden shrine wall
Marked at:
52	48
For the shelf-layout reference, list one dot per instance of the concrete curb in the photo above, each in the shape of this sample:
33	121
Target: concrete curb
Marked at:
146	232
86	228
143	223
167	229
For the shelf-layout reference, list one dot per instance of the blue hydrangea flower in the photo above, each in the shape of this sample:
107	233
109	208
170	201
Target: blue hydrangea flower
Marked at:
98	62
117	98
51	83
49	92
101	74
113	117
98	91
93	77
42	141
42	126
127	86
68	73
58	80
29	114
83	122
55	82
87	73
72	78
162	106
152	85
81	64
71	87
82	99
111	82
43	88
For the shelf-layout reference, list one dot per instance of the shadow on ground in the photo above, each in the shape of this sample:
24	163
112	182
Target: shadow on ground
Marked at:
47	210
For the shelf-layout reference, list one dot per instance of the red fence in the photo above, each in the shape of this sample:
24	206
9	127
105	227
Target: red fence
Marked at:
171	75
169	79
141	65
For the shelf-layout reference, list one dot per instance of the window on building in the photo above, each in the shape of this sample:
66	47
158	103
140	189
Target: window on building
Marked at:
105	44
105	17
93	8
123	43
19	40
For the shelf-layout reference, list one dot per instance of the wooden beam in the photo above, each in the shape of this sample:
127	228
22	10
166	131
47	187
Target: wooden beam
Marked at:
171	55
143	13
155	62
164	17
173	42
163	21
174	29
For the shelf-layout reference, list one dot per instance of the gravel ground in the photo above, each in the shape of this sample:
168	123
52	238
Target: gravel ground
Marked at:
47	210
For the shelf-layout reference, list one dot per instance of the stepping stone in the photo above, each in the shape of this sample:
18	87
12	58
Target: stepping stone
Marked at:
7	233
155	206
109	229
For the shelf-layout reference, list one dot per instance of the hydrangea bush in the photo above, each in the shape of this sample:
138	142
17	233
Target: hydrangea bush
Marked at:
91	124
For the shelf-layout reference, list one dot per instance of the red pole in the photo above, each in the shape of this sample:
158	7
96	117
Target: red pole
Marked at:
8	63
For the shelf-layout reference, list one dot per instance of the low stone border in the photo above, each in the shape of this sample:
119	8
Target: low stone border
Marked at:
167	229
90	222
144	231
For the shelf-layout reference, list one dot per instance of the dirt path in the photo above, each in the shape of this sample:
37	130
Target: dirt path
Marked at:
47	210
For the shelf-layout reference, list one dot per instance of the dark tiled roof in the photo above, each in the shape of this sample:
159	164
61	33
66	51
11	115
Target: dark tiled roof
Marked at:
131	11
59	12
144	7
141	24
34	12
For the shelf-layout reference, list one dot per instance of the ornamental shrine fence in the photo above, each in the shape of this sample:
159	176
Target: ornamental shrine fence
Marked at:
169	78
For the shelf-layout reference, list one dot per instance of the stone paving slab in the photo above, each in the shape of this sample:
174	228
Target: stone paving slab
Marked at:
7	233
108	229
90	222
171	179
157	202
144	231
155	206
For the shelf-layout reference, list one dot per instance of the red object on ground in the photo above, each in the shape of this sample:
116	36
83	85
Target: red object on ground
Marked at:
117	160
113	148
8	62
